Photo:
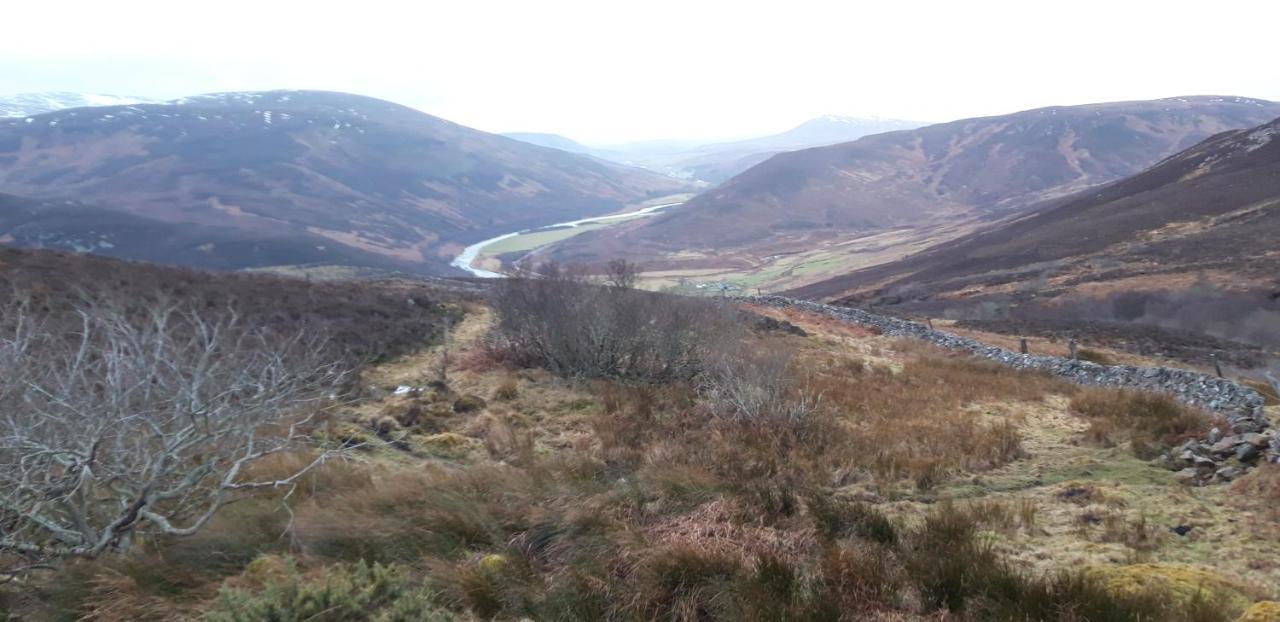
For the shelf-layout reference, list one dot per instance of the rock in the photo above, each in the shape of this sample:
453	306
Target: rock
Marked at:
1247	452
404	389
1189	476
1255	439
1215	435
1181	530
1227	474
1225	446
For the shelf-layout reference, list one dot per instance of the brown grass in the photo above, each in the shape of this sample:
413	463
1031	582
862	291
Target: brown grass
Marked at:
917	423
1150	422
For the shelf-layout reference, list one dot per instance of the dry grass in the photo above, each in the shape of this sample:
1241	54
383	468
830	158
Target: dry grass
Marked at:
916	423
606	500
1150	422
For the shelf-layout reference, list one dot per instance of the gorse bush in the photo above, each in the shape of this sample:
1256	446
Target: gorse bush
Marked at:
362	593
576	328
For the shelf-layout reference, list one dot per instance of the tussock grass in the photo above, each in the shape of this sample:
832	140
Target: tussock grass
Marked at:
1150	422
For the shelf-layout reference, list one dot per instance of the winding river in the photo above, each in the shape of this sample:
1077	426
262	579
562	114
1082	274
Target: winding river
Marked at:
469	254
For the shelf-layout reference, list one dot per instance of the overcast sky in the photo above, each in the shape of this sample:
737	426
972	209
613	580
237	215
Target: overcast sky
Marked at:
602	71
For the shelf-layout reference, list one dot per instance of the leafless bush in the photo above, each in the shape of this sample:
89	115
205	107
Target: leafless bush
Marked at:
139	424
622	274
759	386
576	328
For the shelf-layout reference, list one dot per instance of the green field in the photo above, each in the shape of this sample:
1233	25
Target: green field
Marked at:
535	239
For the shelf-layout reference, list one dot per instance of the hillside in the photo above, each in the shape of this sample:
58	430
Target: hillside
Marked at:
72	226
1213	207
364	175
970	170
701	480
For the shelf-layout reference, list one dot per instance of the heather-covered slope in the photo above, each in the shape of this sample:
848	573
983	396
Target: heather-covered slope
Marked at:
363	174
1212	208
981	169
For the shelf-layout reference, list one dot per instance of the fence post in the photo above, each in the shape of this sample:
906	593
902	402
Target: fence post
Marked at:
930	322
1072	344
1024	346
1216	366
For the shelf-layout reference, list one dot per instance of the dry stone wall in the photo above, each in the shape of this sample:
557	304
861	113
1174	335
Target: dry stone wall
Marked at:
1222	456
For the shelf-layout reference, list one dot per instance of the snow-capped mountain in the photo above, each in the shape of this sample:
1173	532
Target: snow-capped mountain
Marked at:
28	104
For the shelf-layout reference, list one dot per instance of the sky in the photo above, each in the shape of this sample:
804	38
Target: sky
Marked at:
604	71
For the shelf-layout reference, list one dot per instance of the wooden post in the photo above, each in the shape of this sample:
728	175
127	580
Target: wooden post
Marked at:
930	321
1072	344
443	375
1216	366
1025	350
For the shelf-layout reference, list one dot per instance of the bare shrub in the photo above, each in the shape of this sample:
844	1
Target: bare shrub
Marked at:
143	424
759	385
574	328
622	274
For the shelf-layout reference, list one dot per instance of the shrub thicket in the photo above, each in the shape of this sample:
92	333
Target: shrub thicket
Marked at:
576	328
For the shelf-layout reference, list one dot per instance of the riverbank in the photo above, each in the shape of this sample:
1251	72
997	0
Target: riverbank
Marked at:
534	238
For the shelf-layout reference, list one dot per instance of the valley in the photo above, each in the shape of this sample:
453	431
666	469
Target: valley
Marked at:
488	252
315	355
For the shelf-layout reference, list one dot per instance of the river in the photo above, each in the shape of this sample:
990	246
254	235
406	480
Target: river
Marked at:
469	254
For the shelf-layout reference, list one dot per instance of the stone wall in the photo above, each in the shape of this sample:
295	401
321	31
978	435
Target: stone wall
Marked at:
1240	406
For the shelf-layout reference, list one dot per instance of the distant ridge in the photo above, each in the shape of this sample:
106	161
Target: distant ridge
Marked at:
980	169
333	173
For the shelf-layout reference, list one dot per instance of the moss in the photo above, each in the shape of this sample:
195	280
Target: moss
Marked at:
1182	583
493	563
1266	611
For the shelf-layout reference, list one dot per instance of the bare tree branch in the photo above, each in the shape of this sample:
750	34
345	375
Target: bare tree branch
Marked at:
134	423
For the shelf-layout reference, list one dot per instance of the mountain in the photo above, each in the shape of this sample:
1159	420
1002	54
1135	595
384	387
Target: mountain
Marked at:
824	130
716	162
1210	212
554	141
349	172
976	170
28	104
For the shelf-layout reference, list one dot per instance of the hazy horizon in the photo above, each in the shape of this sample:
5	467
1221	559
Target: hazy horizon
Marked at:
661	70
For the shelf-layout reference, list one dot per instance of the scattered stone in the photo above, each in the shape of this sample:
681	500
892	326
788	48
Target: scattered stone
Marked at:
770	325
1227	474
1215	435
1181	530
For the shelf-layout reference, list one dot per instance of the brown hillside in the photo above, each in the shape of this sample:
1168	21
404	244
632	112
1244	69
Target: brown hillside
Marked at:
984	168
347	171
